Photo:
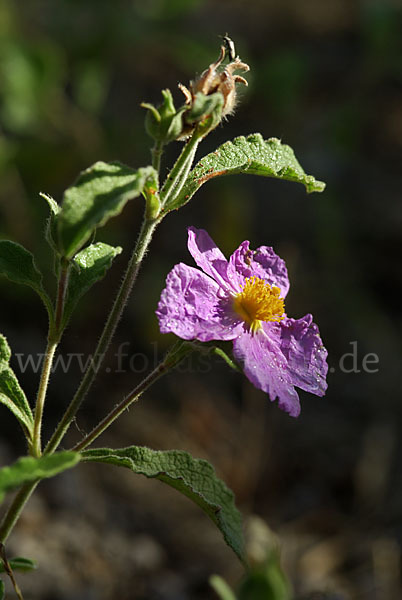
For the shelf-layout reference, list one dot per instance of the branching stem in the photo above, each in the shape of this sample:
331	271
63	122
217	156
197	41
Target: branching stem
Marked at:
9	571
171	189
178	174
148	227
173	186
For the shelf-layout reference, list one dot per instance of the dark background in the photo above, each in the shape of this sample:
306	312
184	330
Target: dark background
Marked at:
326	78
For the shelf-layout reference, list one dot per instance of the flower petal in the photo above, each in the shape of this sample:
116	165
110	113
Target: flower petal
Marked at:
263	263
208	256
305	354
265	366
190	307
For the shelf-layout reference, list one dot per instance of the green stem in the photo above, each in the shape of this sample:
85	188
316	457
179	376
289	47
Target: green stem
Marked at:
41	396
53	339
157	152
148	227
15	509
172	185
61	295
178	174
9	571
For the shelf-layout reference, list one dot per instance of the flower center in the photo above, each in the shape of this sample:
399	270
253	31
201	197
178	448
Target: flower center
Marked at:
258	301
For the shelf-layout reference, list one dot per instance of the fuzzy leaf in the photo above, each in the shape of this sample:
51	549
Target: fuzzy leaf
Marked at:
18	265
5	350
28	469
1	590
252	155
51	223
54	207
99	193
193	477
91	266
19	564
11	394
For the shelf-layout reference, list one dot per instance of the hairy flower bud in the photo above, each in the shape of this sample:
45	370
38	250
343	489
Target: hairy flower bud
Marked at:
164	123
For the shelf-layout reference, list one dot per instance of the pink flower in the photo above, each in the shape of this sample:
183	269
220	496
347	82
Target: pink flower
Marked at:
242	299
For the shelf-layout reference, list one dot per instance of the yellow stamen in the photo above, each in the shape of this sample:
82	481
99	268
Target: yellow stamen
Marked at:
258	301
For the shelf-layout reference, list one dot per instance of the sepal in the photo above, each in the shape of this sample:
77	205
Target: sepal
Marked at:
205	113
164	123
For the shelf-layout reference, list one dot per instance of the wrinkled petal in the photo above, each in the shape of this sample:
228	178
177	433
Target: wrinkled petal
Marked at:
190	307
266	368
305	354
263	263
208	256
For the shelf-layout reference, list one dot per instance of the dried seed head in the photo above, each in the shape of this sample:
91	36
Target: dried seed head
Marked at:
214	79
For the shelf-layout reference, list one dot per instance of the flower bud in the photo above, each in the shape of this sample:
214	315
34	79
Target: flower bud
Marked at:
164	123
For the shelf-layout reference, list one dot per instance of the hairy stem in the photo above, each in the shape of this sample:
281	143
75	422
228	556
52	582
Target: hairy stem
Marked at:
148	227
9	571
157	152
61	295
172	186
15	509
178	174
53	339
41	396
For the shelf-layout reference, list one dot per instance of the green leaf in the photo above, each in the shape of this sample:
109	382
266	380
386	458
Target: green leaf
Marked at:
193	477
221	588
54	207
91	266
19	564
99	193
11	394
18	265
1	590
252	155
51	223
28	469
5	350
